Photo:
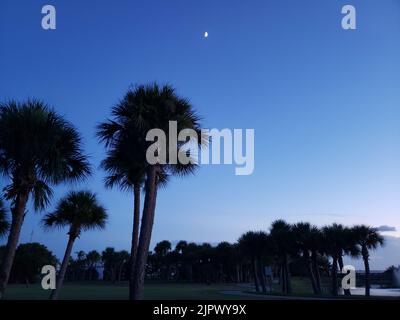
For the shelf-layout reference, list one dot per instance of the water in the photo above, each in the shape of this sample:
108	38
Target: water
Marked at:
396	274
377	292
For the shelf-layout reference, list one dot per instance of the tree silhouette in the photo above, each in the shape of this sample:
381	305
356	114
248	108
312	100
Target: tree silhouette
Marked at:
38	148
79	211
142	109
4	224
284	243
368	239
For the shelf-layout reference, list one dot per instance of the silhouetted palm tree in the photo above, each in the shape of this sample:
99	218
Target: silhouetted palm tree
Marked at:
142	109
368	239
305	237
80	211
162	248
126	172
256	245
4	224
317	251
92	259
38	148
181	246
334	240
123	257
110	259
349	247
284	243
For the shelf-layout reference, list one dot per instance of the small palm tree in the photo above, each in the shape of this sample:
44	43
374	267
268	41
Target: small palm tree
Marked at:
92	259
80	211
367	238
284	243
334	239
256	246
4	224
38	149
305	237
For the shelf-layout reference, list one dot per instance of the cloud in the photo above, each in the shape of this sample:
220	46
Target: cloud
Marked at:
386	228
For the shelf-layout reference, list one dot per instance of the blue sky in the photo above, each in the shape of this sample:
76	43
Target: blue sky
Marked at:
324	103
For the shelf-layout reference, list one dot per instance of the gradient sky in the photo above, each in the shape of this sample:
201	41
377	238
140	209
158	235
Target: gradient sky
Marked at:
324	103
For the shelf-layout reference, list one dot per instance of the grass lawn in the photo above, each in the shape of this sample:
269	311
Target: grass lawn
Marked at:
100	290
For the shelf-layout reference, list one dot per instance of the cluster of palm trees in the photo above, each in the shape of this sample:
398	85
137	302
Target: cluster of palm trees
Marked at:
85	267
39	149
285	242
192	262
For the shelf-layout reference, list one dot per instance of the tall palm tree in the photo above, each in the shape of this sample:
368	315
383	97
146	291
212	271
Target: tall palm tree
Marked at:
368	238
142	109
285	245
4	224
80	211
38	148
128	173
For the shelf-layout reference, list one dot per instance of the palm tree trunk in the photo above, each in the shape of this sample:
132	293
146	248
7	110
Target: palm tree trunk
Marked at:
238	280
310	271
145	233
283	279
287	276
365	255
135	237
63	269
18	214
314	259
256	282
262	277
334	276
121	267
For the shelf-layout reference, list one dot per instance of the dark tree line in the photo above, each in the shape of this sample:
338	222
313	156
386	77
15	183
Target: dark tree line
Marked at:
299	249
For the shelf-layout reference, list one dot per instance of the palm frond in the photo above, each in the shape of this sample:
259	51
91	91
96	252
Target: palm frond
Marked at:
4	224
42	194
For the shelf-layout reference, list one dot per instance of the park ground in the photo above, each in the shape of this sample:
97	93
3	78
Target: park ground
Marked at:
99	290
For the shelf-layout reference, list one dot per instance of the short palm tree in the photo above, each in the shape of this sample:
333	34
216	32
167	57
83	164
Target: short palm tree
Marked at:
317	250
92	259
4	224
304	235
143	109
334	239
80	211
284	243
256	246
367	238
38	149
